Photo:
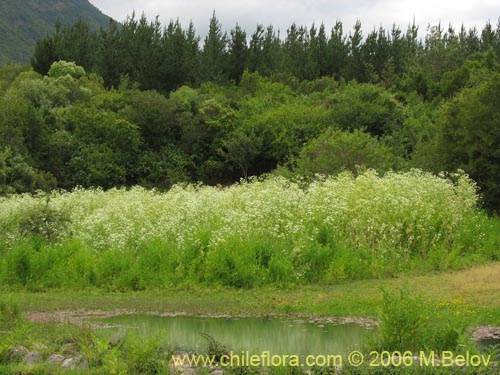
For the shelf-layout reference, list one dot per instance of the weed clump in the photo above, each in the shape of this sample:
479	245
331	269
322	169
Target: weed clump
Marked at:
43	220
409	322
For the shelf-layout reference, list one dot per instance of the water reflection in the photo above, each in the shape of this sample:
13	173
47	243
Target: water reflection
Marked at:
279	336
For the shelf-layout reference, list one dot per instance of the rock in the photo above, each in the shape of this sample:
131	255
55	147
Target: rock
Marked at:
71	363
32	357
218	372
189	371
55	358
15	354
486	332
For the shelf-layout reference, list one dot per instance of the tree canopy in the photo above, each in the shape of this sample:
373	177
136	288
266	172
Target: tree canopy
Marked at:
158	109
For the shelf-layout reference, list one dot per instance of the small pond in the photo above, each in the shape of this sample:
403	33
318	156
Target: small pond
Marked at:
255	335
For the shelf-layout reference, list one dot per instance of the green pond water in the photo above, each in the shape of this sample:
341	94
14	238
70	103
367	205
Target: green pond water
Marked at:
255	335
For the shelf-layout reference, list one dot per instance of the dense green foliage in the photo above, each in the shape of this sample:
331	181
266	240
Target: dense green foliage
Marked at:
167	58
335	151
469	138
67	129
251	234
23	23
146	105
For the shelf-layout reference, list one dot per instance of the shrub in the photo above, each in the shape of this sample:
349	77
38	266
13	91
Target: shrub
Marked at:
214	348
335	151
365	106
408	322
142	355
18	176
63	68
44	221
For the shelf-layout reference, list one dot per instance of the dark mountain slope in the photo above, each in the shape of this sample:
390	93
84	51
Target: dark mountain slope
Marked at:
23	22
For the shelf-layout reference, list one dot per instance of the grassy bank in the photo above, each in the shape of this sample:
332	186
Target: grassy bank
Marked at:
476	288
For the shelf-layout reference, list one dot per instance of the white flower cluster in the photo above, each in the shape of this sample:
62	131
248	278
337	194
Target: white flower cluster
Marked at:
408	212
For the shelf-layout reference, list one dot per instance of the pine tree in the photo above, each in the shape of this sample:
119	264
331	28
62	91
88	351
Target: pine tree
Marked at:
79	44
397	50
255	51
214	55
295	49
339	50
47	51
355	68
272	52
238	52
412	44
192	54
320	51
311	63
176	56
488	37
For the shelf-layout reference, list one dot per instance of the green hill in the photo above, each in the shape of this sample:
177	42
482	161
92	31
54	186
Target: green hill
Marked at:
22	23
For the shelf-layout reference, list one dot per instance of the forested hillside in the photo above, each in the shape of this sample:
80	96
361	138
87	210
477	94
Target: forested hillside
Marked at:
148	106
24	22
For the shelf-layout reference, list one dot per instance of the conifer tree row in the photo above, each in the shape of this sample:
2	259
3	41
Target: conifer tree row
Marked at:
165	58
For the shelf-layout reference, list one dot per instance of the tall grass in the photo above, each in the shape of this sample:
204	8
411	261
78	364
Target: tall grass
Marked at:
266	231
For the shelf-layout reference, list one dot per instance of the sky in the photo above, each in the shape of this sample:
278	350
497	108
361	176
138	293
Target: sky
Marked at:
282	13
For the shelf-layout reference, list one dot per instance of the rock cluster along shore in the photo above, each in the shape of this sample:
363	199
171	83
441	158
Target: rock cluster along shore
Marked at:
70	361
73	360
